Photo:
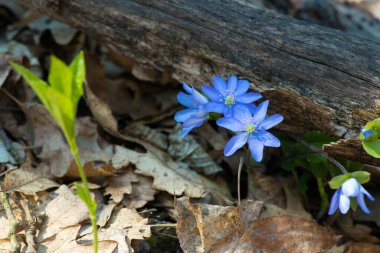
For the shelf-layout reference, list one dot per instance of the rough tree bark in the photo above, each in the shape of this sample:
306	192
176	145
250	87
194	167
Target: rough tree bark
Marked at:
319	78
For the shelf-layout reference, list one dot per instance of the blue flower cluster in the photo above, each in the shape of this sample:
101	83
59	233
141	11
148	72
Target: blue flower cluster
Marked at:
231	99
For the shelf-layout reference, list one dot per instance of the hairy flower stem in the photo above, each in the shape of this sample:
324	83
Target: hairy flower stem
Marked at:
13	223
86	197
320	152
238	178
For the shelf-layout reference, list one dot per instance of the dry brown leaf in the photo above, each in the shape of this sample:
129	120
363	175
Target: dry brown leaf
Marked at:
362	248
42	131
64	241
65	210
132	223
120	185
4	228
356	232
189	152
209	228
142	192
105	214
124	226
166	173
26	181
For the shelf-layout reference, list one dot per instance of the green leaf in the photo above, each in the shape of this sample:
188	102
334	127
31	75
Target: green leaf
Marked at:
78	68
362	176
372	144
337	181
60	76
318	138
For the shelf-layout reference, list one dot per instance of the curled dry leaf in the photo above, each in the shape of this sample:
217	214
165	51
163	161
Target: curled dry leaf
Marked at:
209	228
105	213
26	181
65	210
189	152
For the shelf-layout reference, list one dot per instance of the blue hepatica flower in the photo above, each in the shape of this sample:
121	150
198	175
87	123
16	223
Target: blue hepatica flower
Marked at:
366	133
350	188
225	96
194	115
250	128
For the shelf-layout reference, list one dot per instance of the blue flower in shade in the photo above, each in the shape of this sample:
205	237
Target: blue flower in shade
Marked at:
225	96
194	115
250	128
366	133
349	189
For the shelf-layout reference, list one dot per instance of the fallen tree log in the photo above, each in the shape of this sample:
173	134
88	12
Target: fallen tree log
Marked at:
318	78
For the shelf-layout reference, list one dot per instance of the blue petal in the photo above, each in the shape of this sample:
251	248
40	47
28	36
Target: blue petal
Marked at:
351	187
185	131
219	83
231	124
194	122
186	100
362	204
252	108
212	93
187	88
257	148
367	193
235	143
271	121
232	82
241	113
344	204
366	133
199	97
228	111
249	98
215	107
261	112
242	87
184	114
266	138
334	202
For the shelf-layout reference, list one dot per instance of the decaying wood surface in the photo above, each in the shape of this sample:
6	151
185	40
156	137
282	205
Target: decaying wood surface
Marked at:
318	78
351	150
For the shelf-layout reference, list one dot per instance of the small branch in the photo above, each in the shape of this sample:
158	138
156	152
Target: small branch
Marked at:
320	152
238	179
13	223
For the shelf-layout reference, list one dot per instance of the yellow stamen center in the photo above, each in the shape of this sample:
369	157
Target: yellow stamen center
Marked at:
250	128
229	100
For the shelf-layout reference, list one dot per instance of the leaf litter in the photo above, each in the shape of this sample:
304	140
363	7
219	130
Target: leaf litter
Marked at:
138	166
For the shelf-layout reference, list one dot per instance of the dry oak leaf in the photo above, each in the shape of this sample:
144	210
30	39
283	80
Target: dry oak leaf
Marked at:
64	241
210	228
142	193
65	210
119	185
125	225
165	172
26	181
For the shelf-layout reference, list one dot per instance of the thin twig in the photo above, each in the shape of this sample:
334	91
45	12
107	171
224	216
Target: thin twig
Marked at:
320	152
174	225
30	226
9	170
13	223
238	178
